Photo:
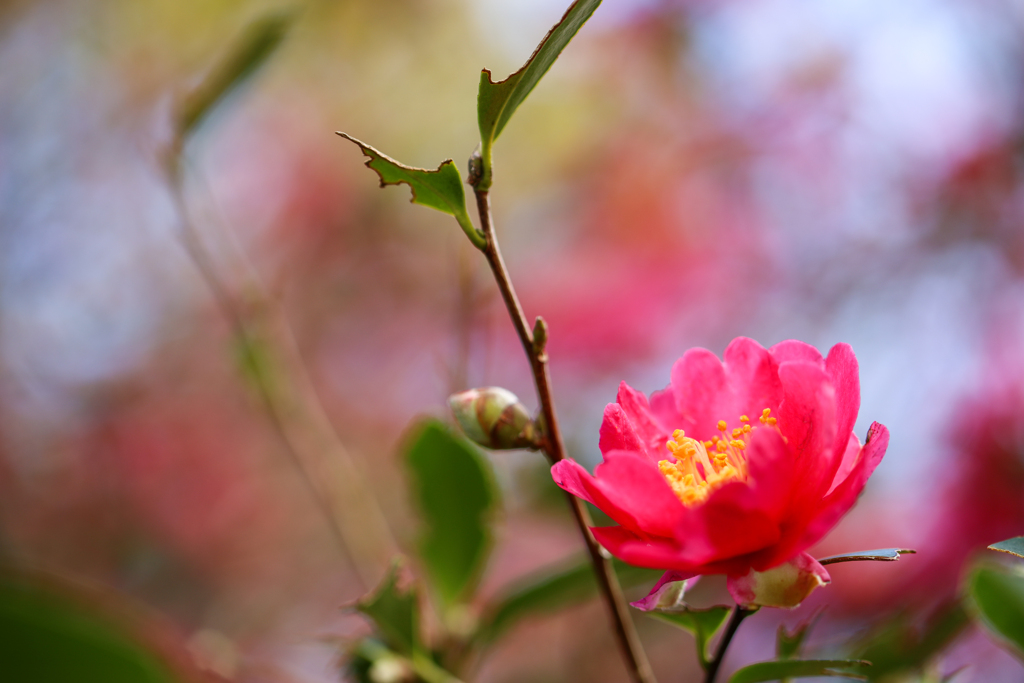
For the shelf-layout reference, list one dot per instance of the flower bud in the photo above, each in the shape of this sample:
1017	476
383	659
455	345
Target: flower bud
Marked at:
494	417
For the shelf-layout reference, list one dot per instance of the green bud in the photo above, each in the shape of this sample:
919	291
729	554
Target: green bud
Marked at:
494	417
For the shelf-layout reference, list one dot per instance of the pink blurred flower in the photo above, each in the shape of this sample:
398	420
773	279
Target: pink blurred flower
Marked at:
698	487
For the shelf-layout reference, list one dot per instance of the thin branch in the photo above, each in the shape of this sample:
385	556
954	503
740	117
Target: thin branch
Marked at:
737	617
296	415
625	632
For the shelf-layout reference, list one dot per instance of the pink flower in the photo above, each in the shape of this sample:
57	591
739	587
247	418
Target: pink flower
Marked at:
736	468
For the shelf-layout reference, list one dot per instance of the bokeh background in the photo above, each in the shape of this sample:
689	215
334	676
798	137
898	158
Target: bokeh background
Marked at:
687	173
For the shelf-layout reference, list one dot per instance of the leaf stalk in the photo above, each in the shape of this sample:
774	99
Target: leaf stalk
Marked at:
735	619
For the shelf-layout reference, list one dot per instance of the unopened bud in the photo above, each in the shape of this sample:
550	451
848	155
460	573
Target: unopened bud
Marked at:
540	337
389	669
494	417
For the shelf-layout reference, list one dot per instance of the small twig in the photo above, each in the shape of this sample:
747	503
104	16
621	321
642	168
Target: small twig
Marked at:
297	419
737	617
552	445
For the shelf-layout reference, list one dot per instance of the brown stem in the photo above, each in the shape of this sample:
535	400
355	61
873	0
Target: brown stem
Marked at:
625	632
737	617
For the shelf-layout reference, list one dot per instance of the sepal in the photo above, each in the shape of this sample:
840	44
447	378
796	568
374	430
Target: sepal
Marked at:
786	585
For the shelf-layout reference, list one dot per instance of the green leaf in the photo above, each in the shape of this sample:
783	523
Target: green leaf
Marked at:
788	645
370	661
497	102
901	645
552	589
249	53
800	668
439	189
998	595
1013	546
884	555
702	623
48	633
254	359
394	611
453	486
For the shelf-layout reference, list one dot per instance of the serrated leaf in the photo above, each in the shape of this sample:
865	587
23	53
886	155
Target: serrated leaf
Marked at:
998	595
800	668
439	189
552	589
394	611
497	102
900	644
50	633
250	52
453	486
1013	546
702	623
788	645
370	661
883	555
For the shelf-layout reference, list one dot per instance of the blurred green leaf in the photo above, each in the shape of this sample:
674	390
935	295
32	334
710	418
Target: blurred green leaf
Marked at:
1013	546
900	645
453	486
552	589
884	555
788	645
371	662
702	623
439	189
800	668
260	39
998	595
395	612
497	102
254	360
49	637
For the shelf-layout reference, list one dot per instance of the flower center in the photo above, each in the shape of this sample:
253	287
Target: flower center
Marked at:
699	467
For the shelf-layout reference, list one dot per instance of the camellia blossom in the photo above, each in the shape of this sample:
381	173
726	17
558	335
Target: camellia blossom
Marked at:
736	468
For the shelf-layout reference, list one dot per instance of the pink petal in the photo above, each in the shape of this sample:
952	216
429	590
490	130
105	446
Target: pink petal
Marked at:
753	378
628	488
634	484
786	585
618	433
725	527
651	434
849	460
771	468
792	349
701	392
663	589
807	421
572	477
842	369
653	553
839	501
664	408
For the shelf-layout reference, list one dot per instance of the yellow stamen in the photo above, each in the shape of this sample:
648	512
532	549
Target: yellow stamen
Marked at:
700	467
